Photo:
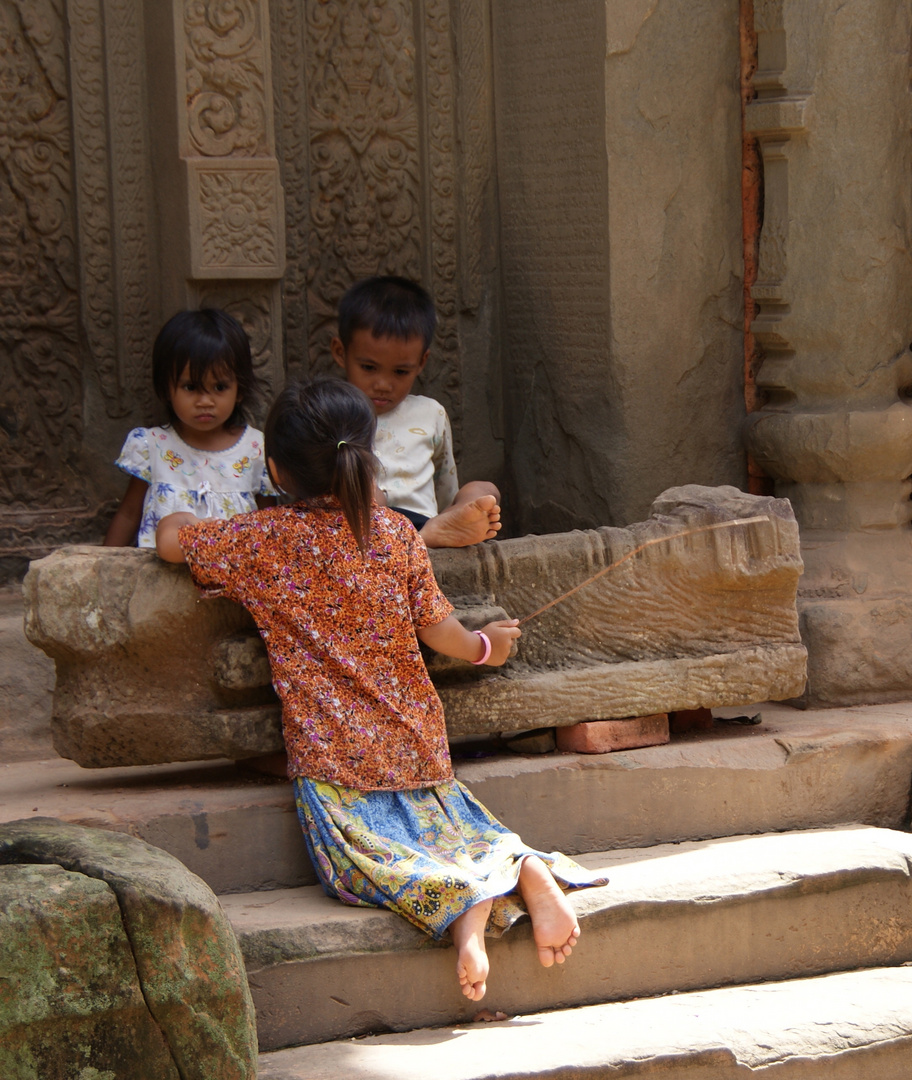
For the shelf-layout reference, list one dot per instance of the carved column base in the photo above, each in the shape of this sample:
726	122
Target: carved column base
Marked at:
846	475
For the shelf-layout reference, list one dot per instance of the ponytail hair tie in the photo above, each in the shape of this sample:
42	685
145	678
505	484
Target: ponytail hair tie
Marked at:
340	443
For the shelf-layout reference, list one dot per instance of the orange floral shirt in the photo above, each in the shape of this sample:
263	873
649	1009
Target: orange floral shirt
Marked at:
358	706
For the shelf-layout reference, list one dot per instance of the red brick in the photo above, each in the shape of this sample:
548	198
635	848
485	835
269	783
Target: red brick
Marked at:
603	736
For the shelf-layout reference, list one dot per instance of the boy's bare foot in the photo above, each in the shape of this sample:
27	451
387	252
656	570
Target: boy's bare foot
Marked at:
463	524
471	960
554	924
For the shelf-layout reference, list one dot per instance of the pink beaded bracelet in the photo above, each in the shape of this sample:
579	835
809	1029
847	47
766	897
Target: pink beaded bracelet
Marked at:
487	644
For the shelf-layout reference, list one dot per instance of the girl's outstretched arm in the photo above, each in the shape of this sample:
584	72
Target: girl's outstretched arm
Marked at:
125	523
451	638
166	542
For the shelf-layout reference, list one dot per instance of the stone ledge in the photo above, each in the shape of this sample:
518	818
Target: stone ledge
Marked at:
796	770
833	1027
674	917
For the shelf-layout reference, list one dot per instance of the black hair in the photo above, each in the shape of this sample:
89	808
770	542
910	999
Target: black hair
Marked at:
320	436
206	339
388	307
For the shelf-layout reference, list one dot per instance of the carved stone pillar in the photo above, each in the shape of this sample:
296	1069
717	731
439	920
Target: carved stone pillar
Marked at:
834	287
216	176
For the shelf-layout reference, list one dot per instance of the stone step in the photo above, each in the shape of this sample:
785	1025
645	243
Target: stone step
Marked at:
795	770
851	1026
674	917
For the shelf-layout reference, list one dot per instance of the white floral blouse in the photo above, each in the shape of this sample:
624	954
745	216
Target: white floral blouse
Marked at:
217	484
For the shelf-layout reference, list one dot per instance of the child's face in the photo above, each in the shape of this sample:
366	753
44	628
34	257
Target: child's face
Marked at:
204	407
385	368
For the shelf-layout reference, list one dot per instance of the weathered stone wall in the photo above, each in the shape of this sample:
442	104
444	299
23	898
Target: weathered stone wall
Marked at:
834	287
618	139
261	155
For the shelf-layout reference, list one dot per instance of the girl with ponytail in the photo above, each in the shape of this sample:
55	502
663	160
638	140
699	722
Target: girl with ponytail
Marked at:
342	591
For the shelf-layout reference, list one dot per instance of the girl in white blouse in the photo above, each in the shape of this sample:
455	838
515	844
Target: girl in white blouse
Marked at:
208	460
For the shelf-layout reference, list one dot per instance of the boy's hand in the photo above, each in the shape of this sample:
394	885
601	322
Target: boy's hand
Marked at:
501	634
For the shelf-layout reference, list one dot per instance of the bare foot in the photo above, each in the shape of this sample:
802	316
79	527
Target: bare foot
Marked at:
464	524
471	960
554	924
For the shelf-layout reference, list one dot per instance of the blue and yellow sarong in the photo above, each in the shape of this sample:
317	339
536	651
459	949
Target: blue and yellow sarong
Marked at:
429	854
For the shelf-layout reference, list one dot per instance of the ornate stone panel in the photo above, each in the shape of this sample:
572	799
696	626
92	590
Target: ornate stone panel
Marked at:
128	150
109	162
364	135
226	139
384	127
41	413
293	142
226	73
475	144
239	230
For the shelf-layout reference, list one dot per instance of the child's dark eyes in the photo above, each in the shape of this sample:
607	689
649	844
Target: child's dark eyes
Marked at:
192	388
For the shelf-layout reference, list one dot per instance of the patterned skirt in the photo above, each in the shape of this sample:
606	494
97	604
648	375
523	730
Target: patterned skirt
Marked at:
429	854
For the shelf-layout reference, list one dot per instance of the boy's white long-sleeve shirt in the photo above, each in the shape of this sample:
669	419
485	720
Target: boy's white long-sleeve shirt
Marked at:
414	445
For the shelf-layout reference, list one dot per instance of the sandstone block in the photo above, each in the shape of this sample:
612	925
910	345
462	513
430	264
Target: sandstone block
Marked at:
70	998
603	736
120	932
689	609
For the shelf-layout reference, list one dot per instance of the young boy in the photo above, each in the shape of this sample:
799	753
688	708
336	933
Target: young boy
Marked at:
385	329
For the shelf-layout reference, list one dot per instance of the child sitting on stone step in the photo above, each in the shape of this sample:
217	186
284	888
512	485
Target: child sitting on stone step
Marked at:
342	591
385	329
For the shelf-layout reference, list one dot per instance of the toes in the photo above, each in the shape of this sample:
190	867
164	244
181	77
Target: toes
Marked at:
546	955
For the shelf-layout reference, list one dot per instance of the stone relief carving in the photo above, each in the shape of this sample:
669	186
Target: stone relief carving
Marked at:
239	229
236	210
227	111
365	204
441	185
93	205
474	144
382	194
129	152
41	416
109	163
293	139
